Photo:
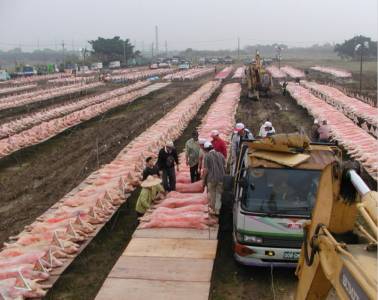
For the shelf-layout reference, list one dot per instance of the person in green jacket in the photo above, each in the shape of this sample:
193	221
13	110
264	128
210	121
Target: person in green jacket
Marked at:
151	191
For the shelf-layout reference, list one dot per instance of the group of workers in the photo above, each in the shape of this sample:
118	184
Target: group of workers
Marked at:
206	160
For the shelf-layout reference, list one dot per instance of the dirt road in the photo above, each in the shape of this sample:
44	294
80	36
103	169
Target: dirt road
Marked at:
232	281
33	179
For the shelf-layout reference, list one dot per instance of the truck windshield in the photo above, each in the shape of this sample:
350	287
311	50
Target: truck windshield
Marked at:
281	191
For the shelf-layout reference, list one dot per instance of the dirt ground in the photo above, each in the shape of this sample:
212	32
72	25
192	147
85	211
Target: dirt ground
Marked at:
84	277
33	179
231	280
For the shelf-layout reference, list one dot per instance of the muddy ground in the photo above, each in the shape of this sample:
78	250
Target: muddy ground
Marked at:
84	277
33	179
231	280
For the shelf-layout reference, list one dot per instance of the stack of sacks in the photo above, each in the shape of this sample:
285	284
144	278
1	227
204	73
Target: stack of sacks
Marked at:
357	142
141	74
190	74
75	79
353	108
187	207
48	129
16	89
58	233
43	95
224	73
9	128
239	73
36	78
275	72
293	72
339	73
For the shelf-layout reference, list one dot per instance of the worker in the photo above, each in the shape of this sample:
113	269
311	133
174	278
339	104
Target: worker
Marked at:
150	169
218	144
201	143
324	132
167	159
240	133
192	152
151	190
267	129
213	173
284	86
314	134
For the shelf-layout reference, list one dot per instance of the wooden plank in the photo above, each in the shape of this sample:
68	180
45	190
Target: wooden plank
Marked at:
162	268
138	289
177	233
205	249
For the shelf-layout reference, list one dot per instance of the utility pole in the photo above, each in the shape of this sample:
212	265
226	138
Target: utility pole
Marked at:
64	63
166	48
38	44
362	50
157	40
124	53
238	49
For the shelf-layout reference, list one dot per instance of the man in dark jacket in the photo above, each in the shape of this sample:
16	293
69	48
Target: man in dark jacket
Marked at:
166	163
150	169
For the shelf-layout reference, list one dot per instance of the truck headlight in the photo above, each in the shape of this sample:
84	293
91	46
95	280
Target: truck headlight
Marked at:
253	239
242	238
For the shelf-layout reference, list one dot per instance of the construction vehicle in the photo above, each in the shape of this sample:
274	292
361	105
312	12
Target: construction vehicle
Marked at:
257	79
274	190
340	244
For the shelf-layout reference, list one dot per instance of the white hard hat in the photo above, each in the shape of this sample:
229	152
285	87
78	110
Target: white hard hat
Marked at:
207	145
214	133
267	124
316	121
239	126
169	144
201	141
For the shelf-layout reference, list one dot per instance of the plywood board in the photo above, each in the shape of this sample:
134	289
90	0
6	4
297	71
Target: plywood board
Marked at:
286	159
177	233
205	249
138	289
162	268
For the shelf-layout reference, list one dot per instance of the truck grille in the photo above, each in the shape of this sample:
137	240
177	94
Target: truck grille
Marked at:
282	242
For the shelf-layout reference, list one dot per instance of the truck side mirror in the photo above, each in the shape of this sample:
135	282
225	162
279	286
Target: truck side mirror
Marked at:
228	183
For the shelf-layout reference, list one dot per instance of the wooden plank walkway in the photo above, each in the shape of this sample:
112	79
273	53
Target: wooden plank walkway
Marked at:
164	263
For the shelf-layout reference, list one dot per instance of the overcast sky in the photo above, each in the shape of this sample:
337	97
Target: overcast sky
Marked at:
200	24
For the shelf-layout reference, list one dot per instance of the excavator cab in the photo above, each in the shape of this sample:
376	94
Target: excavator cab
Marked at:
258	81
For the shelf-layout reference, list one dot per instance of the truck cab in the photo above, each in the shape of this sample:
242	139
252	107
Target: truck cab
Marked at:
274	190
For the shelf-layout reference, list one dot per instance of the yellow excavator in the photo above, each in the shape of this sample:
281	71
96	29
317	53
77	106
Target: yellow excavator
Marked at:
257	79
340	242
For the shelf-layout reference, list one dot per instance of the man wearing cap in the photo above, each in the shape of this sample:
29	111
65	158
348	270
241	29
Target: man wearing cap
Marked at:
240	133
166	163
267	129
218	144
151	191
192	153
213	173
150	169
314	131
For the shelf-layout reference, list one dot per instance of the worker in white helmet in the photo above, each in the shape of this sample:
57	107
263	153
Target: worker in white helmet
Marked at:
266	129
240	133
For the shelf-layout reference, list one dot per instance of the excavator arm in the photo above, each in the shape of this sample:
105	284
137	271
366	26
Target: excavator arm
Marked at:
350	268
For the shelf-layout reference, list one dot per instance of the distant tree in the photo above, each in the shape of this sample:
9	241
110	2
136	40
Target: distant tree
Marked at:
348	48
112	49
